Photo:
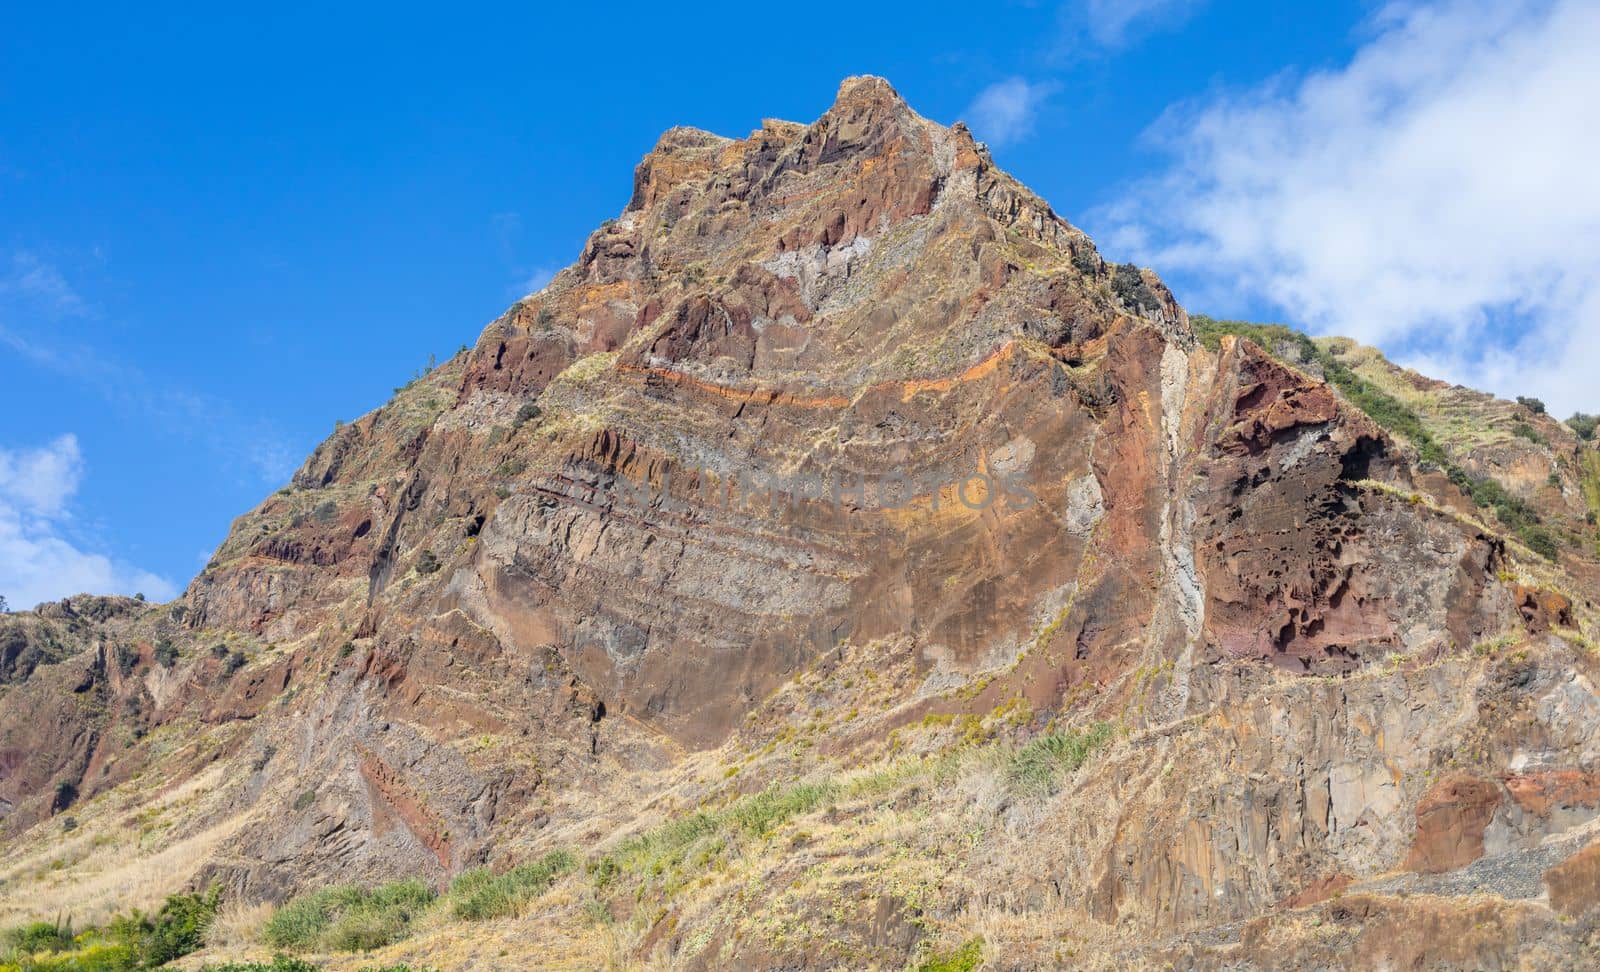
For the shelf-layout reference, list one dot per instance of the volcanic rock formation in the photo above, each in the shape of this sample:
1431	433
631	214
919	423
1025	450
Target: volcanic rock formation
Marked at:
840	452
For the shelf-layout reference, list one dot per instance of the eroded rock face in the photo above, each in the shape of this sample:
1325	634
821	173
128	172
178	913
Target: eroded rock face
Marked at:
1451	819
849	386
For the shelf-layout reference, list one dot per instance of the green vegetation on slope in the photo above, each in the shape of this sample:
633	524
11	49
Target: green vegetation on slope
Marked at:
1039	768
349	919
667	858
128	942
1584	425
356	919
283	963
1394	416
480	893
963	959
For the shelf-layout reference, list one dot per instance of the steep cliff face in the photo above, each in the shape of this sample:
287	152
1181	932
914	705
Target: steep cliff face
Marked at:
840	449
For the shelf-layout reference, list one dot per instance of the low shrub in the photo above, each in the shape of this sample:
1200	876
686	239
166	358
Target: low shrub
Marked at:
529	412
280	963
38	936
173	932
1130	287
1584	425
348	918
128	942
1526	431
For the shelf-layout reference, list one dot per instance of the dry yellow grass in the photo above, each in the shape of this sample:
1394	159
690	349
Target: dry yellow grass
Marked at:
104	867
237	927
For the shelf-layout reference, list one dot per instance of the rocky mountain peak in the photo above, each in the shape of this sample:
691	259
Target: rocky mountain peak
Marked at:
842	538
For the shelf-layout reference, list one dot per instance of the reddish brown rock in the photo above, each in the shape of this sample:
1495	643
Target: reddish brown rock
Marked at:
1574	884
1451	819
1318	891
1542	610
1545	790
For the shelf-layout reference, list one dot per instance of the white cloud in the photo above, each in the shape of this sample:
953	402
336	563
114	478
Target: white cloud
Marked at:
1112	22
40	481
38	559
1436	196
1004	111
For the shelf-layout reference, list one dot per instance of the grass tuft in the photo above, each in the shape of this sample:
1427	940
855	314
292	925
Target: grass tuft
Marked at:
963	959
1039	768
480	893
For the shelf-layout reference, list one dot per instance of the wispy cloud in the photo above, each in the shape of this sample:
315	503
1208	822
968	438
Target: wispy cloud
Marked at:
37	305
40	560
1114	23
32	280
1004	112
1435	196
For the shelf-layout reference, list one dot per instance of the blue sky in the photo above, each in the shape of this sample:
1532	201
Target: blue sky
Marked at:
220	232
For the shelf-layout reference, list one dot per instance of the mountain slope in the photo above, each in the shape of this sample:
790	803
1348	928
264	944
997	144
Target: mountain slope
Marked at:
846	565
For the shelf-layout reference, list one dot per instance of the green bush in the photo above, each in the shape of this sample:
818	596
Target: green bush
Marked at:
527	413
66	793
1130	287
173	932
1540	541
1526	431
87	955
963	959
38	936
128	942
480	893
1531	404
348	918
166	654
1584	425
